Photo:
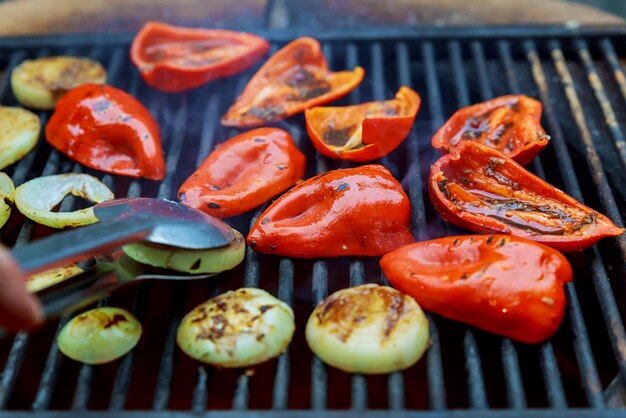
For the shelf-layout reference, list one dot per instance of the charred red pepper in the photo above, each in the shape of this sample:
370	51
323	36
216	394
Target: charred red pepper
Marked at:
499	283
510	124
244	172
292	80
174	59
353	211
107	129
478	188
363	132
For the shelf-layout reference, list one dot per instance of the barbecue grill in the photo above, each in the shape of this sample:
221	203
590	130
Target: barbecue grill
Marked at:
580	372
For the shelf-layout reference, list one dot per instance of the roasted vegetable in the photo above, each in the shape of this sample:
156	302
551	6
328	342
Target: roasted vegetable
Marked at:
510	124
500	283
292	80
7	198
47	278
354	211
478	188
244	172
100	335
365	131
106	128
173	58
368	329
239	328
40	83
189	261
19	131
36	199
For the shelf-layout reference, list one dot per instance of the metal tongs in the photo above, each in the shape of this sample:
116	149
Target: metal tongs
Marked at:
122	221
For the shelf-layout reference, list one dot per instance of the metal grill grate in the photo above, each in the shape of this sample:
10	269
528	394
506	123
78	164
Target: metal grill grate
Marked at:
579	78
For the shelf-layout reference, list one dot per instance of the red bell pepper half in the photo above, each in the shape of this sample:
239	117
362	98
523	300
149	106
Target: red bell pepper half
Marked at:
510	124
478	188
174	59
105	128
365	131
353	211
244	172
294	79
499	283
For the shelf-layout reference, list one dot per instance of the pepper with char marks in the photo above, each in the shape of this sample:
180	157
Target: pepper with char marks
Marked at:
478	188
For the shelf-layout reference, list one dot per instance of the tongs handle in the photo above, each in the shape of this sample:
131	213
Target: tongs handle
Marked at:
77	244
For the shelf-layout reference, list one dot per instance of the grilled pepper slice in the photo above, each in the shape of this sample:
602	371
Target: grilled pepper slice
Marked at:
175	59
105	128
500	283
510	124
244	172
292	80
365	131
353	211
478	188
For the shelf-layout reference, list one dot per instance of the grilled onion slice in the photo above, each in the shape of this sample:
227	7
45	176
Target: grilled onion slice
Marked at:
36	198
47	278
40	83
239	328
213	260
368	329
7	195
100	335
19	131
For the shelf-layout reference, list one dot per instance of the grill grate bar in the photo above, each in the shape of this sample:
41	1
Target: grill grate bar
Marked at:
166	367
598	88
359	382
20	173
207	142
593	159
281	379
85	377
608	304
200	396
83	388
510	361
434	365
49	374
610	311
251	279
551	375
586	363
352	60
395	381
460	80
605	295
123	375
612	59
319	384
475	378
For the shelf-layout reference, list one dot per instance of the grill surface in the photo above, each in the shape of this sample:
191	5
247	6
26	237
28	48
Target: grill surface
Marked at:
580	80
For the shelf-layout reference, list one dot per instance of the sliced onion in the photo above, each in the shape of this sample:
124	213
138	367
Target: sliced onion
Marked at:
189	261
19	131
368	329
7	195
36	198
40	83
239	328
100	335
47	278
